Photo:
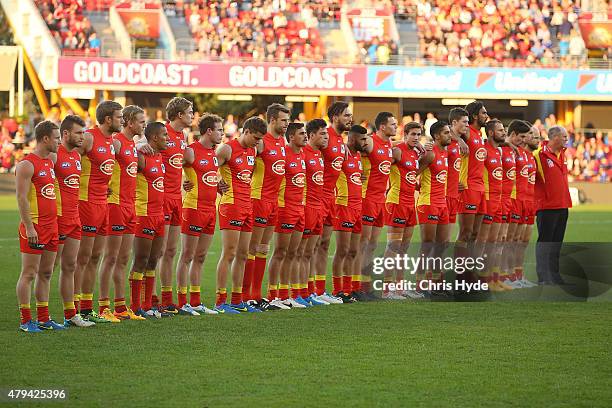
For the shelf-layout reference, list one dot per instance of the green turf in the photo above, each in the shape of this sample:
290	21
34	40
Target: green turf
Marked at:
521	353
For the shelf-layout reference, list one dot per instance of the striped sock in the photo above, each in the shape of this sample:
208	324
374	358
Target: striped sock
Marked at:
103	304
347	284
166	294
25	313
149	285
42	311
221	296
272	292
77	300
320	284
304	290
86	302
182	296
69	310
194	295
236	296
135	291
120	305
296	290
258	275
356	285
337	282
311	285
249	270
366	284
283	291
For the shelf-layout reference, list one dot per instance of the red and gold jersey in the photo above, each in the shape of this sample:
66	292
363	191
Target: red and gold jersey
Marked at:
472	166
41	196
203	175
333	156
403	177
173	161
509	168
67	175
532	169
433	180
97	168
292	186
269	169
522	173
313	190
348	185
150	187
376	167
454	169
123	180
494	173
237	173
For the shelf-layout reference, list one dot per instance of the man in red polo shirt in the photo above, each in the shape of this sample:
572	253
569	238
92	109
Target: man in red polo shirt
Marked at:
552	200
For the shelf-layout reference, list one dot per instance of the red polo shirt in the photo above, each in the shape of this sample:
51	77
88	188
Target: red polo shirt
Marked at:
551	186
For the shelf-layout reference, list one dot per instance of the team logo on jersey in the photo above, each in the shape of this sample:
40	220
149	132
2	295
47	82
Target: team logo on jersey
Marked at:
457	164
244	176
107	166
411	177
293	164
102	149
176	160
77	164
72	181
42	173
481	154
170	143
498	173
272	152
335	149
158	184
299	180
238	160
251	161
441	177
380	151
48	191
385	167
127	152
355	178
278	167
550	163
312	162
210	178
337	163
132	169
531	178
203	162
525	171
511	173
65	165
317	177
351	165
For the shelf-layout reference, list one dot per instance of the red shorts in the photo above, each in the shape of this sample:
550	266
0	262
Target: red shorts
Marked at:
68	227
517	211
529	215
453	204
432	214
290	219
506	209
47	238
400	215
313	221
237	217
121	220
347	219
150	226
172	210
472	202
328	212
265	213
493	211
94	218
373	213
198	222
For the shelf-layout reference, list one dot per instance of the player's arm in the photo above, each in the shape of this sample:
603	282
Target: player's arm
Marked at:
258	149
188	159
224	153
425	160
117	147
397	154
463	147
143	146
141	161
87	144
23	175
53	157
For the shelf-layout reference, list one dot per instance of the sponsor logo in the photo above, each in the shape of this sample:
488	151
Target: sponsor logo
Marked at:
293	164
77	164
385	167
244	176
118	228
176	160
251	160
249	76
287	226
527	82
272	152
128	152
89	228
62	237
65	165
441	177
488	217
235	223
299	180
432	217
48	191
471	207
42	173
355	178
367	218
107	166
511	173
346	224
337	163
158	184
195	228
148	231
215	161
210	178
203	162
481	154
278	167
498	173
238	160
101	149
261	220
397	220
72	181
170	144
132	169
525	171
282	149
550	163
457	164
317	178
406	80
411	177
380	151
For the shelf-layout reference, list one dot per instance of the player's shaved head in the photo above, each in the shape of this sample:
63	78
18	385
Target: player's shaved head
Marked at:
153	129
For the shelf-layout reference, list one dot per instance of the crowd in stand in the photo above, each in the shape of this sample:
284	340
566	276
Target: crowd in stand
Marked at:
70	28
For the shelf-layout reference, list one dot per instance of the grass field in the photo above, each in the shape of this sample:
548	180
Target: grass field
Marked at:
519	353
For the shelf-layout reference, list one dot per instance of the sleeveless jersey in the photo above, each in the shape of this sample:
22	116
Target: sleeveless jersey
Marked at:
150	187
522	173
313	191
472	166
68	173
97	168
41	196
376	167
433	180
123	180
333	156
237	173
348	185
203	174
292	186
173	161
531	164
509	168
403	177
454	168
493	174
269	169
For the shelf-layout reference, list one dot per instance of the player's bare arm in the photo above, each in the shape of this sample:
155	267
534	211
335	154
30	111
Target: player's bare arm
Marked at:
24	173
425	160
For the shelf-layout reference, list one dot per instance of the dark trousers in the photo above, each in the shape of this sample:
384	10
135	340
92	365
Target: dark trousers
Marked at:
551	230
